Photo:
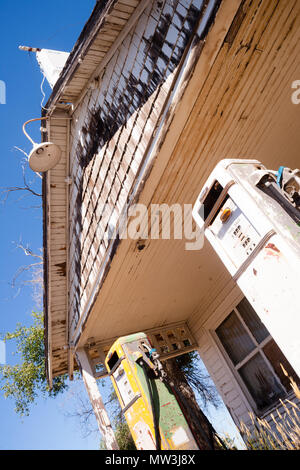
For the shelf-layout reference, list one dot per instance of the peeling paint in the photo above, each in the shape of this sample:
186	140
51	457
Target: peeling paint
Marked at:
131	84
105	120
271	250
271	246
61	268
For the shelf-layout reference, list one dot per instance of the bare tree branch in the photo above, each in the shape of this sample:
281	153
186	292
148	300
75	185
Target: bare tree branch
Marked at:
21	150
36	271
81	411
6	191
27	158
29	252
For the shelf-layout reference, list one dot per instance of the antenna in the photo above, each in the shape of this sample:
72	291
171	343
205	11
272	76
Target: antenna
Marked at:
29	49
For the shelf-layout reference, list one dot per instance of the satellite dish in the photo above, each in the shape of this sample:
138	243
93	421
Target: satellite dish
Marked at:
44	156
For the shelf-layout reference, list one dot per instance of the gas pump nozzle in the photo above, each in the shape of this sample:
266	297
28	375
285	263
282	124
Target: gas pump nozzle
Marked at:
153	360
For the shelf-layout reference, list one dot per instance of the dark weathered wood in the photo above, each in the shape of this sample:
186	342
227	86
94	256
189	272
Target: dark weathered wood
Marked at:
201	428
116	125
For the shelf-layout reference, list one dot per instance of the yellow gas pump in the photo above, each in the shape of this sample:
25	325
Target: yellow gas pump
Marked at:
151	410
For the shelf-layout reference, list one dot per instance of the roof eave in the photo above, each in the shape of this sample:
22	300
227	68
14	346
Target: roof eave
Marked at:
101	9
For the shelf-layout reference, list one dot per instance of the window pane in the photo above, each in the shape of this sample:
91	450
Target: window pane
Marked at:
275	356
235	338
261	382
252	320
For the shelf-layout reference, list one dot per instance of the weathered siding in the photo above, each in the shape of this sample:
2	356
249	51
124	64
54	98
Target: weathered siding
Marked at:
111	130
55	268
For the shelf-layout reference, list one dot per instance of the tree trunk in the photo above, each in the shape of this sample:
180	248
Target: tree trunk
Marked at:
201	428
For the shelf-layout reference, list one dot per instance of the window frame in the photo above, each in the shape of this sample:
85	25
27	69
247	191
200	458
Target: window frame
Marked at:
258	349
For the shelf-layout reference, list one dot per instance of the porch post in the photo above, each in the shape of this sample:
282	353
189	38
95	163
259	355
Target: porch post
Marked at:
96	400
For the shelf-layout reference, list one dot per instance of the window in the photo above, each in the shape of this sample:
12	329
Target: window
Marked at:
255	355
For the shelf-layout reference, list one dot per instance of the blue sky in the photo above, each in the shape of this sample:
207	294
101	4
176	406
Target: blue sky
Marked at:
52	25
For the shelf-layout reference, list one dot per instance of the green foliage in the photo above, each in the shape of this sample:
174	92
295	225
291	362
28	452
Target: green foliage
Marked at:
120	426
123	436
24	381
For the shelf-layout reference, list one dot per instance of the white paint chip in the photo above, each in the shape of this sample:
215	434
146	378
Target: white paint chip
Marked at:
180	437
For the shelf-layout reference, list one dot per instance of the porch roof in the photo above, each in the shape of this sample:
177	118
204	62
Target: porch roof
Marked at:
233	100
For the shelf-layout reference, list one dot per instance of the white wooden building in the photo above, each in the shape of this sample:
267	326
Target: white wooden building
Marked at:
154	94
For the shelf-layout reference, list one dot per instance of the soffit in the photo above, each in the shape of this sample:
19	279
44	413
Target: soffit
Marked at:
243	110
